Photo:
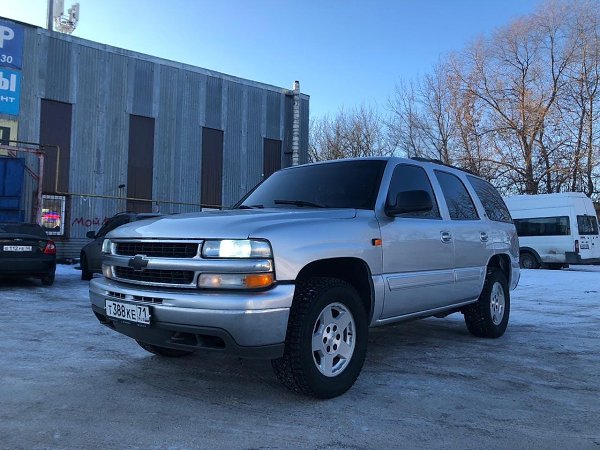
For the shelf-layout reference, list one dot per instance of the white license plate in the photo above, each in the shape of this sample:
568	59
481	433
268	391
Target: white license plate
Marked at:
17	248
128	312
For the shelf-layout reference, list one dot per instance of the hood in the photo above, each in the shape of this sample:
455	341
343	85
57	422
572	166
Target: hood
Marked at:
229	224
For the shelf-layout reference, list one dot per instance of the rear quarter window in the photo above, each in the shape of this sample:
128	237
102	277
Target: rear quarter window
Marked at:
587	225
494	206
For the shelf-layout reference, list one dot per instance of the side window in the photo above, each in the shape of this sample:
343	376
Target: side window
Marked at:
412	178
493	204
460	204
543	226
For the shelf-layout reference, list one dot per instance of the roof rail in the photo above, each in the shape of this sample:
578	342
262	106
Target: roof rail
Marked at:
437	161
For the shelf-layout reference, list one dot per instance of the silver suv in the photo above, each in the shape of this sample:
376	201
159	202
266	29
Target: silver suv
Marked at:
300	268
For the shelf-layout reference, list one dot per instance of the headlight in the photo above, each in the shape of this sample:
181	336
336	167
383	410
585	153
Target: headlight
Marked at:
106	246
236	248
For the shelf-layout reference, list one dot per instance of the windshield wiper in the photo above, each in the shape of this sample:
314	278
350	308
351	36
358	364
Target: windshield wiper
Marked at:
299	203
250	206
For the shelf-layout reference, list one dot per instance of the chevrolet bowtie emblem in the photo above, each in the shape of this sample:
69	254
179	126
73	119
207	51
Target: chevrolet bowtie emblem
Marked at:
138	263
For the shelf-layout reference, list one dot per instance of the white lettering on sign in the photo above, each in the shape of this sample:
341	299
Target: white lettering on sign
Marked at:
6	99
8	84
6	34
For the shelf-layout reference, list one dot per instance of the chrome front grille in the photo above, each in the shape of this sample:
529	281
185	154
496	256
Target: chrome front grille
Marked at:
170	277
171	263
158	249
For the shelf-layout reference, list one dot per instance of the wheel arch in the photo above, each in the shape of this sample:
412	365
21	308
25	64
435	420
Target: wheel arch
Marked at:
532	251
354	271
502	262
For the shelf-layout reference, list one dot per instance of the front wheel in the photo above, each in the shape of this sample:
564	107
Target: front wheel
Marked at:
489	316
86	274
326	339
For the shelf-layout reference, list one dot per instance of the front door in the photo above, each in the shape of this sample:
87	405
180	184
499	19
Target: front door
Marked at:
418	252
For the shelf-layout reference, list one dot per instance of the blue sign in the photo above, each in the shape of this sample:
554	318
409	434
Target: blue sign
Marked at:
11	45
10	91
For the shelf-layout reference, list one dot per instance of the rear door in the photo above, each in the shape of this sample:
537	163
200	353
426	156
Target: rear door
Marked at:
473	242
587	227
417	260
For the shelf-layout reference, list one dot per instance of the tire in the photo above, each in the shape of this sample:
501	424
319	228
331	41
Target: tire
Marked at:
86	274
326	339
488	317
48	280
163	351
527	260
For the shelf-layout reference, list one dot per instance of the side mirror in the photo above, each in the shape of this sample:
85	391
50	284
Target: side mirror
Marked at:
91	235
410	202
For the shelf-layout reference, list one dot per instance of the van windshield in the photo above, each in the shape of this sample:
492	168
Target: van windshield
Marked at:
587	225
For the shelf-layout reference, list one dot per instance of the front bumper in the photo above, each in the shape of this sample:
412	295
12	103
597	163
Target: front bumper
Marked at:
250	324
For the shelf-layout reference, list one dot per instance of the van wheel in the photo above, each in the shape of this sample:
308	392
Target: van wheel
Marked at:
163	351
527	260
488	317
326	339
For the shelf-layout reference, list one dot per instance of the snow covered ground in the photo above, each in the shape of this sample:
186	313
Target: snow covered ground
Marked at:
68	382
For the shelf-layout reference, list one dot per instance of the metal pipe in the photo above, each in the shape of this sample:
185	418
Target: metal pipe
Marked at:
50	22
41	152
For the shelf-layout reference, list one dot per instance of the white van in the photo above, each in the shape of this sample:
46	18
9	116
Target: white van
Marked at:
555	229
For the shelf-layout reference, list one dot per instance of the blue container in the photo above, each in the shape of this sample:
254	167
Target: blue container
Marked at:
12	216
12	172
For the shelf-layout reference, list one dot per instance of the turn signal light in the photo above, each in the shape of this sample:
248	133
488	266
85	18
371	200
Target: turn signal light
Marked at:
235	280
50	248
259	280
576	245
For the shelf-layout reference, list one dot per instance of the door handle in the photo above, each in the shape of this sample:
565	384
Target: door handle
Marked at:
483	237
446	236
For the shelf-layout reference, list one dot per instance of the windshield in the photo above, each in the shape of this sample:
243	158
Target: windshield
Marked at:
347	184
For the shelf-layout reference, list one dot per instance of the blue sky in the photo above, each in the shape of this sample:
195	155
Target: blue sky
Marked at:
343	52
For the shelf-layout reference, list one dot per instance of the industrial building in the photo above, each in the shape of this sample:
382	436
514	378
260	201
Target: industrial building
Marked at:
120	130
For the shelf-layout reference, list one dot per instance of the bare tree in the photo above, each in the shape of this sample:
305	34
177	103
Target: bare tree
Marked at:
357	133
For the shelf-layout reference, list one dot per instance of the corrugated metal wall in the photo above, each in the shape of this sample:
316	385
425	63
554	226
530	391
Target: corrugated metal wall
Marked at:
106	85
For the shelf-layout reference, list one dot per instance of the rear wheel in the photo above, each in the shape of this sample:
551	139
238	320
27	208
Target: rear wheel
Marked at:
86	274
163	351
326	339
489	316
528	260
48	280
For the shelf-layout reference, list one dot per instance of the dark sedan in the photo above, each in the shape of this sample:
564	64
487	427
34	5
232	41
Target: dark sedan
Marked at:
26	250
91	253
